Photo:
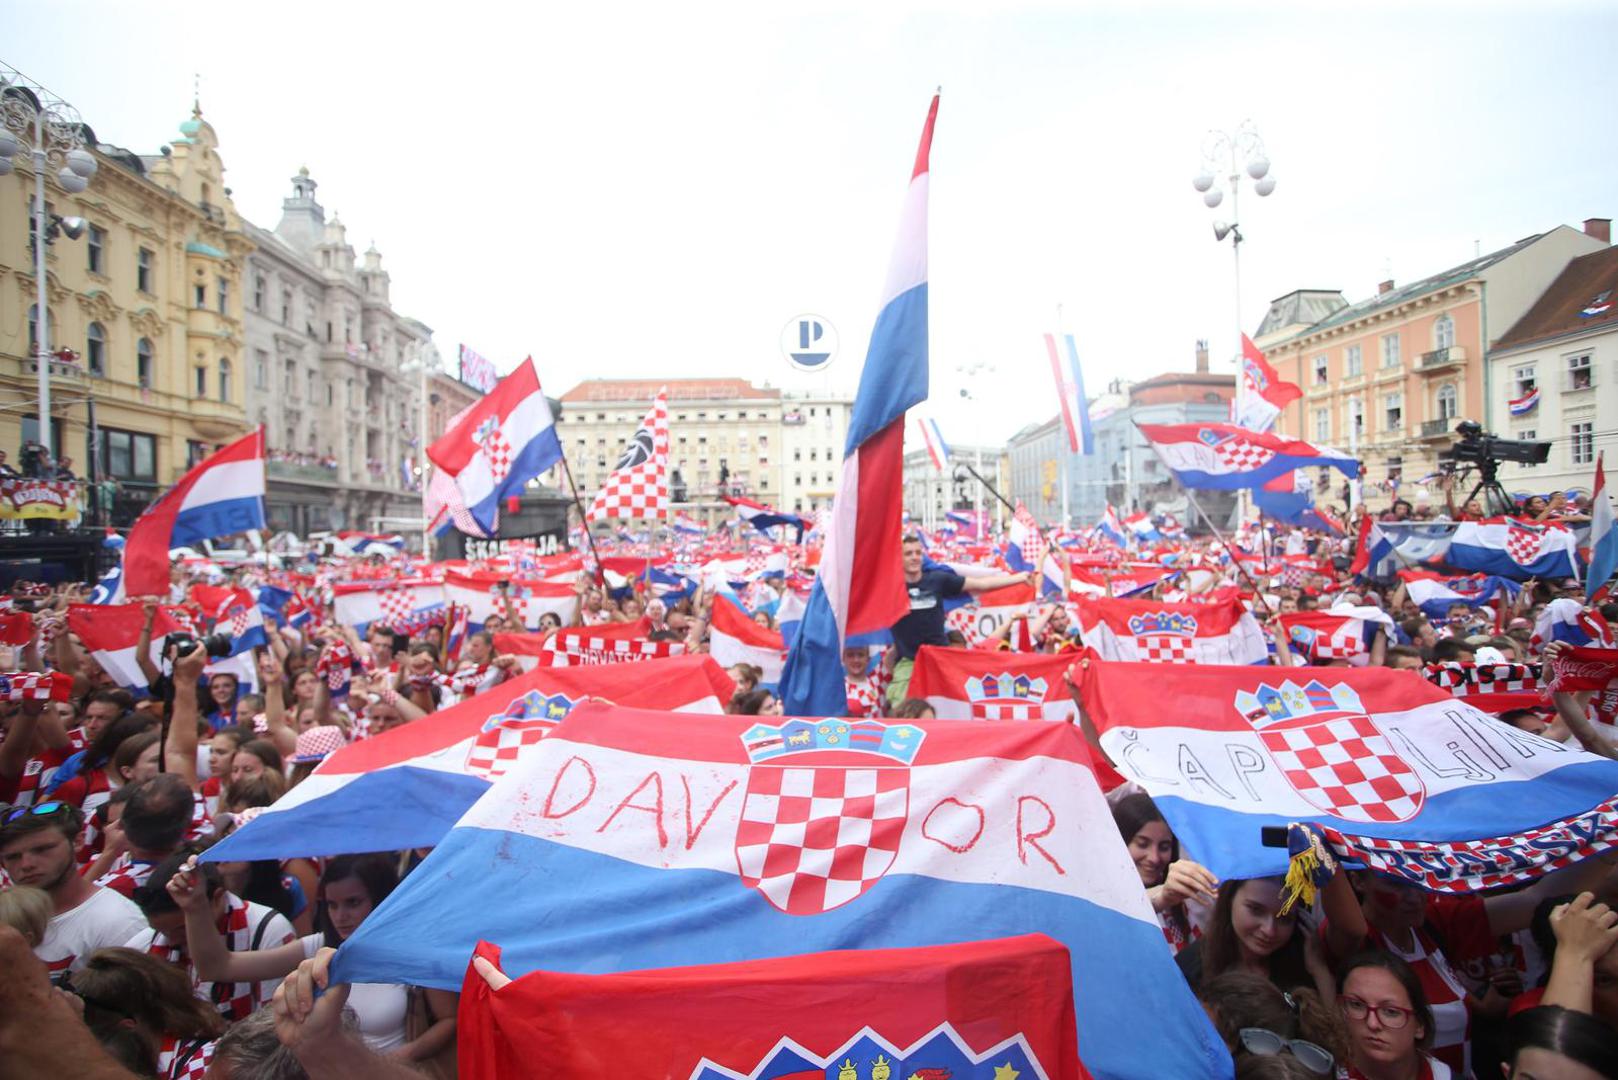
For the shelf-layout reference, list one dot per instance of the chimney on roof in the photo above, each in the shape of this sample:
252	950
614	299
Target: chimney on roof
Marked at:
1599	228
1385	288
1202	356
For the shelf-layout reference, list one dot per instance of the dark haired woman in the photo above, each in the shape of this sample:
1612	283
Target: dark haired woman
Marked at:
125	991
1550	1041
1390	1024
1247	932
1169	880
350	889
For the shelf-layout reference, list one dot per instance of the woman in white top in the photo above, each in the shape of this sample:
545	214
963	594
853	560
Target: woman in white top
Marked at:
350	888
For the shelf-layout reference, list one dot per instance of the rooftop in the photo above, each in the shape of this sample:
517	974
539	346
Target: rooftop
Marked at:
1583	298
644	390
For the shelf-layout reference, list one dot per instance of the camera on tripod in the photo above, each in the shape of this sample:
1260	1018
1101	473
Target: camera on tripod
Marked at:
1487	451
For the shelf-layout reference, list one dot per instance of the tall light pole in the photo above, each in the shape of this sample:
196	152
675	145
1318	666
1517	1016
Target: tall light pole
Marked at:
1244	151
973	371
55	136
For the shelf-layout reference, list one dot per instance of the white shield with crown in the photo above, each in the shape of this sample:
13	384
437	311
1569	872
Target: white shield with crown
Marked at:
1332	752
826	806
1164	637
1006	697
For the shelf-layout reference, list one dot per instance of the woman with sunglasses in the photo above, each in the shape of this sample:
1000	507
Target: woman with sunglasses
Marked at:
1390	1025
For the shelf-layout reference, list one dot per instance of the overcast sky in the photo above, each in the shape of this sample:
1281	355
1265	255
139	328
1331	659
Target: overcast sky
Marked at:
657	191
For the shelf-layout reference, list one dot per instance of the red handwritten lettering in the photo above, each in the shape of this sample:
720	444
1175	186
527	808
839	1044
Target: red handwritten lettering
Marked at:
953	823
1026	840
550	799
656	809
690	833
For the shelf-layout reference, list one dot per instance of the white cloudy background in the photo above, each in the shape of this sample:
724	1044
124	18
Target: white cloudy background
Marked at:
627	191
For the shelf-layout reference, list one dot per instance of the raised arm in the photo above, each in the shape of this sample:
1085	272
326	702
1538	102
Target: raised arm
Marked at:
180	746
143	647
275	714
990	582
1585	931
213	961
19	744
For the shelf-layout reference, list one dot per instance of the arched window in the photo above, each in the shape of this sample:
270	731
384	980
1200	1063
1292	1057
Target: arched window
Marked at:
224	379
1443	332
1448	402
95	349
33	328
143	363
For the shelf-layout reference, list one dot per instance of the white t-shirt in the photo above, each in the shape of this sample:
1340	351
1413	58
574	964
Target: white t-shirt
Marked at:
382	1008
104	921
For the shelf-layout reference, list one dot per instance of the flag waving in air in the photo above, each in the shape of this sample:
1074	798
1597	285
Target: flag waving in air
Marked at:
1603	537
1225	457
501	443
639	484
1070	391
937	448
860	587
224	494
1260	393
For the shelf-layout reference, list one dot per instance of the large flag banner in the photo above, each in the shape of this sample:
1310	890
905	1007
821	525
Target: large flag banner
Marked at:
1603	537
734	638
502	442
860	586
985	1009
1435	594
407	787
1514	548
1493	688
1386	547
639	484
1157	632
764	518
406	605
1398	773
1260	392
480	592
1340	633
221	495
974	684
612	643
630	840
1225	457
1070	392
981	615
111	632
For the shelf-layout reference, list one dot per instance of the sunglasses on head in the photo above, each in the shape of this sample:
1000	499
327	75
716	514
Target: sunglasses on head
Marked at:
1266	1043
44	809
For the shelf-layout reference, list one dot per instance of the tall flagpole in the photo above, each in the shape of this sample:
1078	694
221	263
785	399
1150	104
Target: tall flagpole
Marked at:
1067	453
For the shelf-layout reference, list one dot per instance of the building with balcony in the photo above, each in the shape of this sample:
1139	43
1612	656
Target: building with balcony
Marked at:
814	430
335	375
1566	349
1389	377
149	301
725	437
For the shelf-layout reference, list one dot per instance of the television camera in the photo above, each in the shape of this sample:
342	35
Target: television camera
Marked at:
1483	452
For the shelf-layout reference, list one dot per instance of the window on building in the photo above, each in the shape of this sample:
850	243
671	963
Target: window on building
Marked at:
144	259
95	249
33	328
1529	434
1580	372
1321	376
1356	417
764	483
331	394
199	296
261	369
195	451
95	349
1522	380
1393	412
143	363
797	479
201	384
286	306
1396	468
258	293
1448	402
1390	350
312	384
129	455
224	379
1443	332
1582	444
1322	425
1353	364
222	295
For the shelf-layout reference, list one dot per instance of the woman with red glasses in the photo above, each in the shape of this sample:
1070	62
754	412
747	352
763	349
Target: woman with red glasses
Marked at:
1390	1026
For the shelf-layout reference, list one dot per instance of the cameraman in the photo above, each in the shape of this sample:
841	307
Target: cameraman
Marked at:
1471	510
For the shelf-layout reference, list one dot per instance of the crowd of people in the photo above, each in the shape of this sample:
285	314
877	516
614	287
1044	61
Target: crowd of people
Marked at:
149	961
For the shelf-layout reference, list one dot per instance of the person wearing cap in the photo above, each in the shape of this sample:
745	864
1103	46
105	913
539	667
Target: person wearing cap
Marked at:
314	745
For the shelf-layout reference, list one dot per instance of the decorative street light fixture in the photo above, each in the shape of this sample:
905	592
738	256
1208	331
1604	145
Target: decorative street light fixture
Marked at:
54	135
1245	152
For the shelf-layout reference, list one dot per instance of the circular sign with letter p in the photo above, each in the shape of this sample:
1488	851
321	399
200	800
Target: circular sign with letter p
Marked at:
809	343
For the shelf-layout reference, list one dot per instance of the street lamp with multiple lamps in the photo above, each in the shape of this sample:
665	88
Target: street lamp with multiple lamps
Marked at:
1245	153
50	129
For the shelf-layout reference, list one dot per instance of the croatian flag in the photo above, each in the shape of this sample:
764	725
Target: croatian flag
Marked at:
981	615
911	1014
1111	527
764	518
406	605
505	440
734	638
1260	392
789	616
406	788
1435	594
1564	619
1383	548
860	587
1070	392
630	840
111	632
974	684
1420	785
1161	633
1521	406
1025	545
937	448
1514	548
1344	632
221	495
1141	528
1225	457
1603	537
479	594
688	526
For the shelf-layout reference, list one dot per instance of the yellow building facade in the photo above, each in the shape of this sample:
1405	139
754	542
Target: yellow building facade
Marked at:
149	299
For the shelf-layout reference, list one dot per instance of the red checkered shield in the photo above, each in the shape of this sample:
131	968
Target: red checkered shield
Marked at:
1333	753
523	722
1523	541
825	810
496	448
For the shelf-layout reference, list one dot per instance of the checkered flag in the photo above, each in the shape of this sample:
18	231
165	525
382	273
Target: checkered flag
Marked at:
639	485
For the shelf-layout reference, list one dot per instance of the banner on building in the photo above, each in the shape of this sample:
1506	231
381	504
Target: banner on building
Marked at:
22	497
478	372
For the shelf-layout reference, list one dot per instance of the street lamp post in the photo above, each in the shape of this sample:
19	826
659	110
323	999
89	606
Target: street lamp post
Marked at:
56	136
1245	152
972	371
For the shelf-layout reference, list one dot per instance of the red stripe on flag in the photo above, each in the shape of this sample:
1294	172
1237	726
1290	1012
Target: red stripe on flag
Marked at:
877	596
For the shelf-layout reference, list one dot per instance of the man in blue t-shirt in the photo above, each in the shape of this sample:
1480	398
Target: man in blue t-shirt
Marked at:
928	589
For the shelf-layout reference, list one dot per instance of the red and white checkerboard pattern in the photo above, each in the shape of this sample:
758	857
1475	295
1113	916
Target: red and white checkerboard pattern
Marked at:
1523	544
1347	768
497	449
1015	709
35	686
496	750
1467	680
1165	649
1239	455
641	490
184	1059
964	619
811	840
398	605
1344	643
